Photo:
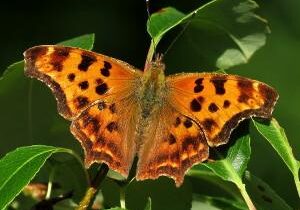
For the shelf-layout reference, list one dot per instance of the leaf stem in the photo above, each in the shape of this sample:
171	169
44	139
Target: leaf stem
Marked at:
122	198
50	183
93	189
297	181
246	197
150	54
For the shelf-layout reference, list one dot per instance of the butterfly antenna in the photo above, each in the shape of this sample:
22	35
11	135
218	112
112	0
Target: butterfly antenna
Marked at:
179	35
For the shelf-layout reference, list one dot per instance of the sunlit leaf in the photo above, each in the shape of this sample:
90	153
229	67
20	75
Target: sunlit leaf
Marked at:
275	135
219	34
18	167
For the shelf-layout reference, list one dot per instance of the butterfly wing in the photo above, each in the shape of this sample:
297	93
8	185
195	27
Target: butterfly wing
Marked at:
93	91
218	102
173	144
106	131
78	77
199	110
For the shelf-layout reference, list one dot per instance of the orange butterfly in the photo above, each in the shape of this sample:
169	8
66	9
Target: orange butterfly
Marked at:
118	111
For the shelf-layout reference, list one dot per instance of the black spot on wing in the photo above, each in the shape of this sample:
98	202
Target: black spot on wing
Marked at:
71	77
199	87
101	89
84	85
87	59
226	104
105	72
213	107
218	82
107	65
195	105
188	123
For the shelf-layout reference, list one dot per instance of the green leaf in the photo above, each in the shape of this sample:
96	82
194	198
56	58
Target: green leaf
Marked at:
216	203
18	167
216	185
263	195
70	174
163	193
232	167
84	42
275	135
27	99
163	21
219	34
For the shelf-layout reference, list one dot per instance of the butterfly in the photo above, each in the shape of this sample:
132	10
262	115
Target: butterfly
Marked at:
119	112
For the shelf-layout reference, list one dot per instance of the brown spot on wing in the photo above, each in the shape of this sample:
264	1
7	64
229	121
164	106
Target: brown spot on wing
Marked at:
172	139
81	101
57	58
102	105
190	142
112	108
177	122
112	126
33	53
246	90
209	124
269	95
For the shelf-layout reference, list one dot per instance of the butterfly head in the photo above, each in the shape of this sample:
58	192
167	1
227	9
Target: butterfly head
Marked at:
155	69
158	63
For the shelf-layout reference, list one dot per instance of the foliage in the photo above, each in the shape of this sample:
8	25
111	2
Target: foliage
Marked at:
241	32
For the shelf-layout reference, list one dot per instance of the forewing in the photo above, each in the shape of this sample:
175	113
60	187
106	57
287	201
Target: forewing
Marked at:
173	144
218	102
77	77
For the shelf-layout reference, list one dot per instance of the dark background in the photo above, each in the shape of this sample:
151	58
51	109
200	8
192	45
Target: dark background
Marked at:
120	29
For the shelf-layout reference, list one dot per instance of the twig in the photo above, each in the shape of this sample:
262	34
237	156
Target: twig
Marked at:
93	189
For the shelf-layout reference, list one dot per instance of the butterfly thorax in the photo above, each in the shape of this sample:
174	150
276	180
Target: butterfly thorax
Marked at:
150	99
151	92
